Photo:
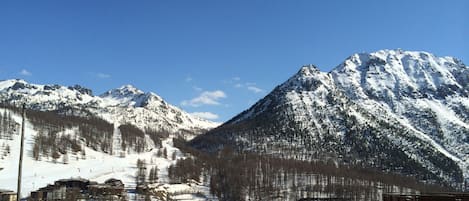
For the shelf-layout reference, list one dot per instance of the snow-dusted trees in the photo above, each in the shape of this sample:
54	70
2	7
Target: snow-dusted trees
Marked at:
165	153
185	170
52	140
140	175
36	150
153	175
7	150
132	137
157	135
247	176
8	126
55	156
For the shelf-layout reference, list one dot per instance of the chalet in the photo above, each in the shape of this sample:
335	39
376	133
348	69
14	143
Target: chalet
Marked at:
112	189
38	195
80	190
7	195
73	183
67	189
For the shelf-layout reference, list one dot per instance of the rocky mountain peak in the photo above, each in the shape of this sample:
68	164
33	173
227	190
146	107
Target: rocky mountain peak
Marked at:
308	78
308	70
392	73
81	89
125	104
386	109
125	91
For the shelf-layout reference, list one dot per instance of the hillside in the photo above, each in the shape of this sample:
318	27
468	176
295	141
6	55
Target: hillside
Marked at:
72	133
392	110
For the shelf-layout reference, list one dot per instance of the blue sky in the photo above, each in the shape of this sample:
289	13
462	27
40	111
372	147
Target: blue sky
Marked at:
212	57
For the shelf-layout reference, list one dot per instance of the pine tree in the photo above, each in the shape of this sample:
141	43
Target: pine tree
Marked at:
4	123
1	126
55	156
141	172
36	155
65	158
7	149
153	176
165	153
83	154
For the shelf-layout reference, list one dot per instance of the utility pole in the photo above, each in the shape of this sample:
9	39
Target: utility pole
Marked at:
20	165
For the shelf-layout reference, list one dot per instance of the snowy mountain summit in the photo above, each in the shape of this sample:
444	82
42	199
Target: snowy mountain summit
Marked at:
123	92
72	133
125	104
128	95
393	110
397	73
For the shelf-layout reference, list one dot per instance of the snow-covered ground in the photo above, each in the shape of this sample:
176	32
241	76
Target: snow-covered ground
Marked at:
414	101
96	166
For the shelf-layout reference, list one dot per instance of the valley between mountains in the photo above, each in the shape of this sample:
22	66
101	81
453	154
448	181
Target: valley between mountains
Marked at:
391	113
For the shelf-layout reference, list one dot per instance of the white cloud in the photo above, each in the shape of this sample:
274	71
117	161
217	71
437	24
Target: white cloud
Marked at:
255	89
25	72
196	88
103	75
232	80
206	115
189	79
205	98
250	86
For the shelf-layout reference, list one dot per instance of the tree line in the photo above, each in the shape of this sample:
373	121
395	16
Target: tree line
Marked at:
8	128
234	175
54	142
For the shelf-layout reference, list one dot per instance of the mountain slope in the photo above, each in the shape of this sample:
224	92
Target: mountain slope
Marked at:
94	165
122	105
70	132
394	110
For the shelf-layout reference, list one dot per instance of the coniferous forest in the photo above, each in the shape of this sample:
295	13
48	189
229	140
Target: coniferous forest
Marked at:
232	175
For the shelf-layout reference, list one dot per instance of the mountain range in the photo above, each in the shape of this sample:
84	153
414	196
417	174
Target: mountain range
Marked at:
69	132
396	111
125	104
392	110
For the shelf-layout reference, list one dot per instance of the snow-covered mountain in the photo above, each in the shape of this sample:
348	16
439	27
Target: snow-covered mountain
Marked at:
118	106
94	165
395	110
77	134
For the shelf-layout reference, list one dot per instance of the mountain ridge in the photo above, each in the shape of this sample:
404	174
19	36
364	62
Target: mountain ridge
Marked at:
120	105
409	107
70	132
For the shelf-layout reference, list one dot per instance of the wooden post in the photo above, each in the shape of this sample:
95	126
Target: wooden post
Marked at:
18	195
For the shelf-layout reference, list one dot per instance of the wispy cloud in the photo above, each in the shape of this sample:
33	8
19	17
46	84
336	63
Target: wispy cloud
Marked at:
25	72
196	88
188	79
255	89
232	80
206	115
251	86
103	75
205	98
